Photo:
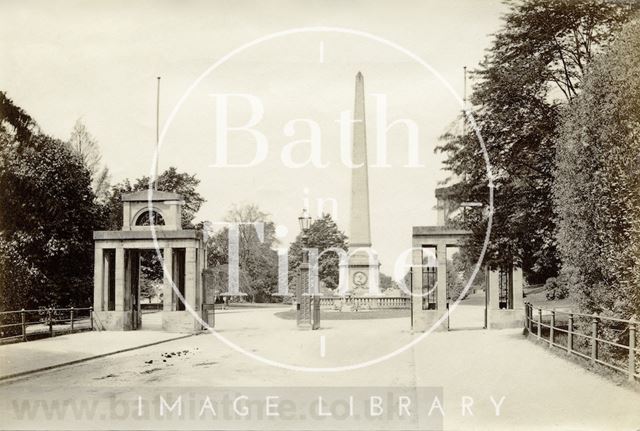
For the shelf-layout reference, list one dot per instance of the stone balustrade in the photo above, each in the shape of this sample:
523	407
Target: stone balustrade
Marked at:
366	302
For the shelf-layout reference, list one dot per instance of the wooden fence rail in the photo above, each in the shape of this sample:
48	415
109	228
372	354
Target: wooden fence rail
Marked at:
602	337
23	324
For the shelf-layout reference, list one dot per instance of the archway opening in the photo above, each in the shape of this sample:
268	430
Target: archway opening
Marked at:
147	217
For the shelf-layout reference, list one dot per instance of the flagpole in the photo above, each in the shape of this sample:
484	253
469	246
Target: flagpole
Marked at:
157	149
464	103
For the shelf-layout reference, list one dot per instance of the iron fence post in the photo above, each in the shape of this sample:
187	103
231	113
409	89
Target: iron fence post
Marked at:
24	325
91	316
71	313
50	318
570	334
632	349
594	339
552	327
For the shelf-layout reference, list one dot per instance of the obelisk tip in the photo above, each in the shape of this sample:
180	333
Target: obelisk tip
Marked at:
359	75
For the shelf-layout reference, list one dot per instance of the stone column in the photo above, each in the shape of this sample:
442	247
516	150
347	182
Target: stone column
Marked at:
177	271
441	255
440	211
199	281
416	284
494	288
120	279
106	273
126	216
518	301
190	281
98	280
167	289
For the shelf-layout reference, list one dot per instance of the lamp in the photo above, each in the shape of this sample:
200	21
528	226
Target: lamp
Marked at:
304	300
304	220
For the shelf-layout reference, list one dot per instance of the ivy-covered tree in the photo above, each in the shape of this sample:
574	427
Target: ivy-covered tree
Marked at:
534	68
321	235
47	215
597	187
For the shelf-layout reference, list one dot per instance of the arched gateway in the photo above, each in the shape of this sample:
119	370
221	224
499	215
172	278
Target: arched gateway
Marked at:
116	300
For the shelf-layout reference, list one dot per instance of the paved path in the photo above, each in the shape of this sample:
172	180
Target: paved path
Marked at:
50	352
540	389
469	314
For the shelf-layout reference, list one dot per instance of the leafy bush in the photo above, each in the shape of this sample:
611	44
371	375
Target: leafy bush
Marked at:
597	182
556	289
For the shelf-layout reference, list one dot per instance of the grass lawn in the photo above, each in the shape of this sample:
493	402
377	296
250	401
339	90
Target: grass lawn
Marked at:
537	297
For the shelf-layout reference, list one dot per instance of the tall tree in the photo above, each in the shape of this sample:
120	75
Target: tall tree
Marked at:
258	259
47	215
387	283
85	146
534	67
597	188
322	235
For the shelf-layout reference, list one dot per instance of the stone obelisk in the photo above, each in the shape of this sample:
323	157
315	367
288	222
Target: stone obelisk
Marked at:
363	268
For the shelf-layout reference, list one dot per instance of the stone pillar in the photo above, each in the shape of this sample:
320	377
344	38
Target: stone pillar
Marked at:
167	289
127	280
518	301
494	288
106	273
416	285
177	273
441	255
439	212
98	280
199	281
190	281
126	216
120	279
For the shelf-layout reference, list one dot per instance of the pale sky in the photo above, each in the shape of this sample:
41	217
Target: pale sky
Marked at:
64	60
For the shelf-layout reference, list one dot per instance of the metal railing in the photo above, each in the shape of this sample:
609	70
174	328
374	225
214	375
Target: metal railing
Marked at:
21	325
603	340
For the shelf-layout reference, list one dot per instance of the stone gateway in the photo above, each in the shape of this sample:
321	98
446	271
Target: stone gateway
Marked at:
116	300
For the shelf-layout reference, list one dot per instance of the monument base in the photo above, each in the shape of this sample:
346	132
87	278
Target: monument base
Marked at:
363	271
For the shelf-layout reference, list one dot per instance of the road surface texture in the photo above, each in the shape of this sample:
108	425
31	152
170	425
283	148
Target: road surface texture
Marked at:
479	369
